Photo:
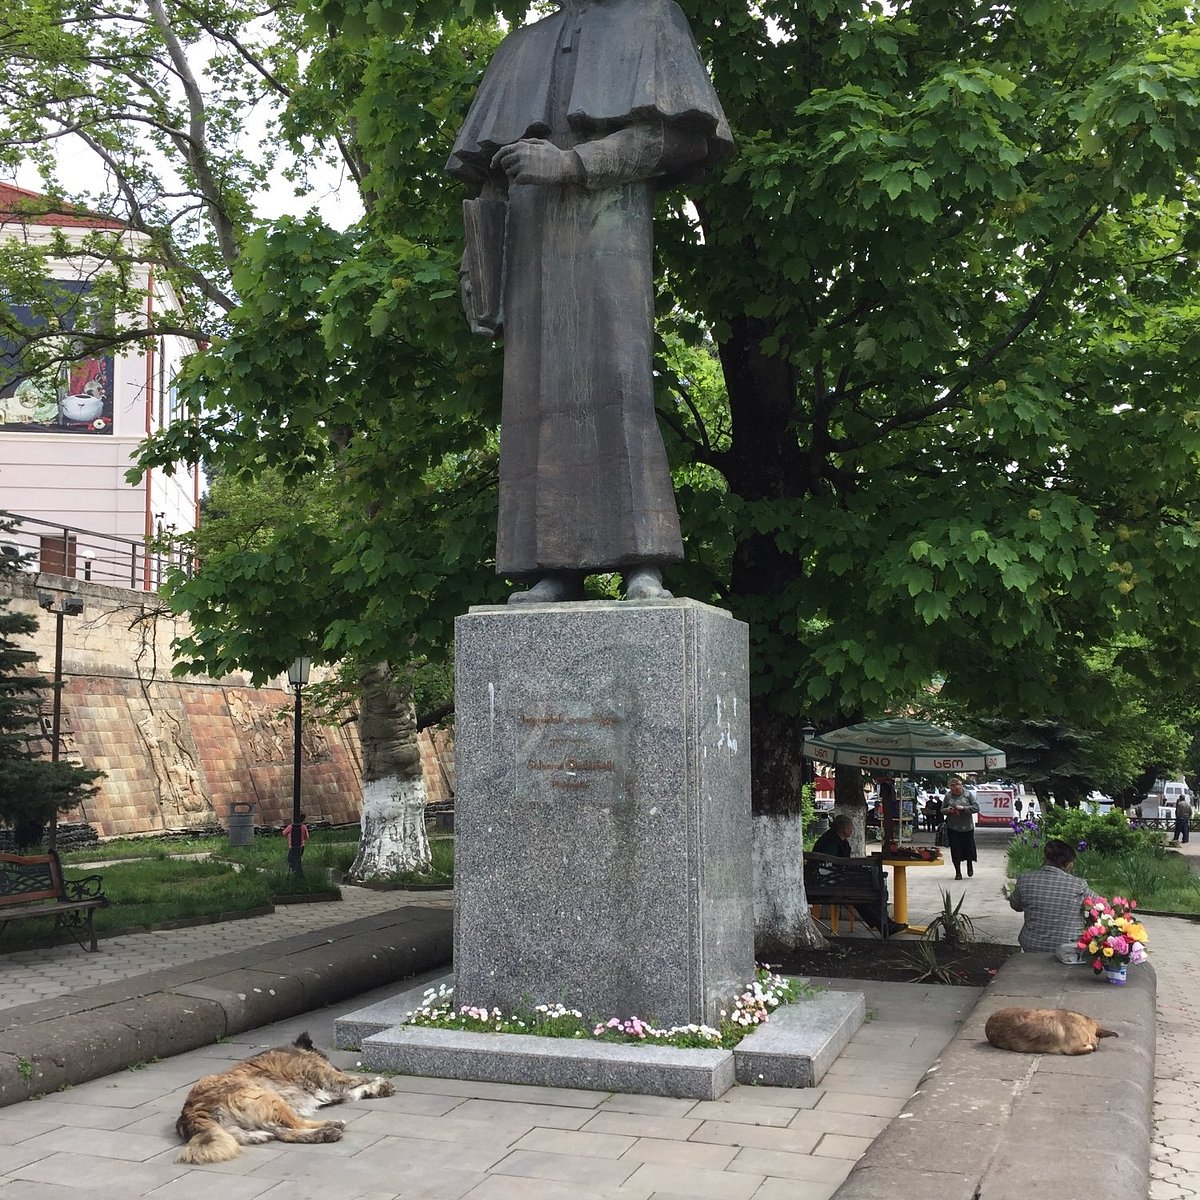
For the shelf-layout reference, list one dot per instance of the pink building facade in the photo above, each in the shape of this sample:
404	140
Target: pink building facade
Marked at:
68	437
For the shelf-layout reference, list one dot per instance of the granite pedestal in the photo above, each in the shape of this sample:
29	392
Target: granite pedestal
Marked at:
602	809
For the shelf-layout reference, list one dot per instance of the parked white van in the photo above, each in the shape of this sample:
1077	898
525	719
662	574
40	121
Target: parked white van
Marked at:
1171	790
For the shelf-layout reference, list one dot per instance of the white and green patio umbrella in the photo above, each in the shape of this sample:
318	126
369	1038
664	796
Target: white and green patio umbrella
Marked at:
904	746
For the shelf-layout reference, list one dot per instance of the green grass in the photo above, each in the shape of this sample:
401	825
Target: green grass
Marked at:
154	891
441	871
326	848
145	886
121	848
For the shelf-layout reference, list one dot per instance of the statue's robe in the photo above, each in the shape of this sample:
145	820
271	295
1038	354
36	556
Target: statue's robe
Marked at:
584	479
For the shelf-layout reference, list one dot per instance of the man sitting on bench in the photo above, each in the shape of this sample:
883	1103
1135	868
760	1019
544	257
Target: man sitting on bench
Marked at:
835	842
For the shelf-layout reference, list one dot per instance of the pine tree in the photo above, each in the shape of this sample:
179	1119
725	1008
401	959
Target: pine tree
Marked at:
32	790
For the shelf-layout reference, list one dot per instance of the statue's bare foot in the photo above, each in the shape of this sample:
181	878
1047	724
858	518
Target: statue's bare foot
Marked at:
645	583
552	588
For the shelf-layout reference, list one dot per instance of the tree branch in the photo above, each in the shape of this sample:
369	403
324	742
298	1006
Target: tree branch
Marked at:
194	148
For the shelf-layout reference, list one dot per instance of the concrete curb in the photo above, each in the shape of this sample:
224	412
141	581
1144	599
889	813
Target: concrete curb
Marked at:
976	1128
551	1062
96	1031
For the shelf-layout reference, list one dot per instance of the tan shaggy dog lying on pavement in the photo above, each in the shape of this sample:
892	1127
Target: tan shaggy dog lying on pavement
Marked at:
1044	1031
269	1097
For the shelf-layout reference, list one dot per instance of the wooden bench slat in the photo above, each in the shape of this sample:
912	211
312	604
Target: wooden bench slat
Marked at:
7	898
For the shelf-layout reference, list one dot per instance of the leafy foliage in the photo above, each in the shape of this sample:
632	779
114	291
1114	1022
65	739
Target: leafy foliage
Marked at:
1104	833
948	284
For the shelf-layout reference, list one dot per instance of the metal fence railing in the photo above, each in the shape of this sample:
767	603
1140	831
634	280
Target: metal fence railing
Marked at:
43	546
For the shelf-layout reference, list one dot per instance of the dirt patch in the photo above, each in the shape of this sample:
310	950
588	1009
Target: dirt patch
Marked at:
900	960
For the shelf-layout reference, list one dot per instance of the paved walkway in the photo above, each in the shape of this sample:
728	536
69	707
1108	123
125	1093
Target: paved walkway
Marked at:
444	1139
1175	1149
31	975
438	1139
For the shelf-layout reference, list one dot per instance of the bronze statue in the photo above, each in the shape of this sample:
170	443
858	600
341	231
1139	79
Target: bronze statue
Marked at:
580	118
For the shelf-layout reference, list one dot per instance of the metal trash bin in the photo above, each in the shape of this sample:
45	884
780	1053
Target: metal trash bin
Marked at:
241	824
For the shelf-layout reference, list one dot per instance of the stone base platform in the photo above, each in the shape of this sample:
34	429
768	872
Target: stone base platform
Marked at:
794	1049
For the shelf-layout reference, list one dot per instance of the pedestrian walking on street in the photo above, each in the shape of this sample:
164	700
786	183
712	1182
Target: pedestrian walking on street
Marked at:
1183	819
961	808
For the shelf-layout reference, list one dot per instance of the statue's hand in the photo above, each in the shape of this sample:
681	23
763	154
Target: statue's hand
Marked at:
534	160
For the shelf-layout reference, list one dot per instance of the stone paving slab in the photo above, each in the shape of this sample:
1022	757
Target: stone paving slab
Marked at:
1000	1104
869	1084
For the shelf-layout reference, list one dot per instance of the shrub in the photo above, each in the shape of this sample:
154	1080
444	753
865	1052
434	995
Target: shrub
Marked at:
1095	836
1105	833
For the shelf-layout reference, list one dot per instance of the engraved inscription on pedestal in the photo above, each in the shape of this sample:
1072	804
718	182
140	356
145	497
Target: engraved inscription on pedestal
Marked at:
571	750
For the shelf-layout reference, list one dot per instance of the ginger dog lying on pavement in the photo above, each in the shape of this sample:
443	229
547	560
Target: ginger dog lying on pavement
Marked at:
1044	1031
269	1097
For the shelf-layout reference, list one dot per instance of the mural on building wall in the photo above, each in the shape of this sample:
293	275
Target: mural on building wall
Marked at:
77	398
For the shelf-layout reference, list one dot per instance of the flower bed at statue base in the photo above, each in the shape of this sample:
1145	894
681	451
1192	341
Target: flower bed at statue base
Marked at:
751	1008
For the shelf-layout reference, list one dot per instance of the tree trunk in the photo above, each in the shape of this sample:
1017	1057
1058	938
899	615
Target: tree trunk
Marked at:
849	801
763	464
782	919
393	821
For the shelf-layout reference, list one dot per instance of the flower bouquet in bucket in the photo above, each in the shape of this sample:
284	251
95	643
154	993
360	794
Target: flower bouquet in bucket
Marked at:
1113	937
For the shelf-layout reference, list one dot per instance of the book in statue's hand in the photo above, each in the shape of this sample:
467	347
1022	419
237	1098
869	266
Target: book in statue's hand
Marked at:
484	223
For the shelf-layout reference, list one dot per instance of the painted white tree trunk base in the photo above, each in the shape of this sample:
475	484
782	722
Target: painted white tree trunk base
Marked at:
858	814
782	919
393	830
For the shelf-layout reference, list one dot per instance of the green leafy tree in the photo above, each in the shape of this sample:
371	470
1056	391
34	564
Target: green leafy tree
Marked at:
187	109
949	284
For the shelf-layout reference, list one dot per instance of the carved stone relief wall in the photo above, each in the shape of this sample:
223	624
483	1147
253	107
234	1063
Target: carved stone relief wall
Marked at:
179	752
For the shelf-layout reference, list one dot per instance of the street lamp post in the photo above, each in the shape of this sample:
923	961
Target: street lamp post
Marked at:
808	769
297	677
69	606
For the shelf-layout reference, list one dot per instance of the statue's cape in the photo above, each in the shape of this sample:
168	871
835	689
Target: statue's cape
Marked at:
637	59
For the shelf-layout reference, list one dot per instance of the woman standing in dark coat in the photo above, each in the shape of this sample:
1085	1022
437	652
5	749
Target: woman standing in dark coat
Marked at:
961	809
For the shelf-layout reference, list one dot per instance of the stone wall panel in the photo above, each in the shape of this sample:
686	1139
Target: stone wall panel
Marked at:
178	752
